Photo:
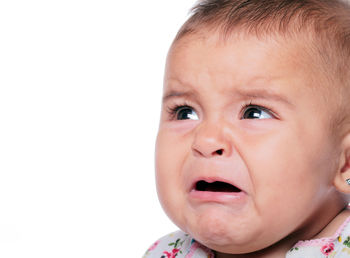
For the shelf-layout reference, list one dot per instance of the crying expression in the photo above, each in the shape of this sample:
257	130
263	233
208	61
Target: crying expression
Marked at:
243	149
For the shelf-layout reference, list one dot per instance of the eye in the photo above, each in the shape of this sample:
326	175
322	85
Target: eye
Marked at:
183	113
186	113
256	112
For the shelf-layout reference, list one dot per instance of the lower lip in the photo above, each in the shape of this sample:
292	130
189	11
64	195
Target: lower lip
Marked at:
221	197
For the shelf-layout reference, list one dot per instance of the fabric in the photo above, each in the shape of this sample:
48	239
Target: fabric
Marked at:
181	245
337	246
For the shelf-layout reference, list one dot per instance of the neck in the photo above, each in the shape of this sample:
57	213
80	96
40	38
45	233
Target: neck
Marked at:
278	250
314	229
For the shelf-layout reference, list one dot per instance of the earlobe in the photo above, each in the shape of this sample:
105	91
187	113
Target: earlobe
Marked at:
346	166
342	177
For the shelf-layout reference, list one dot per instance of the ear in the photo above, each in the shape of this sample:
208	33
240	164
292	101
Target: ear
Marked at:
342	177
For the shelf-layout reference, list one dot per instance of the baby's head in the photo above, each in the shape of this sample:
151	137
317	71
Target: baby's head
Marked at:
254	139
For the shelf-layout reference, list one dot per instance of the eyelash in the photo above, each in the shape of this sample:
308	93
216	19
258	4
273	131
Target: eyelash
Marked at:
172	110
249	104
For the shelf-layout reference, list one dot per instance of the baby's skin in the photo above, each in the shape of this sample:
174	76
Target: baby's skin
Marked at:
256	117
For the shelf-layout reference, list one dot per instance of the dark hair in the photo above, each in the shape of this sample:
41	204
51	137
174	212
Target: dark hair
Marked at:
266	16
327	20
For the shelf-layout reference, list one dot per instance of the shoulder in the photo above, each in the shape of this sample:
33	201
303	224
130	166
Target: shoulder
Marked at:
177	244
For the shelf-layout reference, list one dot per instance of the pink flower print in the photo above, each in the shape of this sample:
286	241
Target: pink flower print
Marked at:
172	254
153	246
327	248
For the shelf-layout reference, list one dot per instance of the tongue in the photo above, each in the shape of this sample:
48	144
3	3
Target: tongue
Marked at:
216	186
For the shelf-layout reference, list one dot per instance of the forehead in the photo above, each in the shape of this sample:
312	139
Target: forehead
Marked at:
238	61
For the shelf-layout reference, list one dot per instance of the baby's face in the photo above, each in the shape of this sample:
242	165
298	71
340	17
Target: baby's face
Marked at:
249	115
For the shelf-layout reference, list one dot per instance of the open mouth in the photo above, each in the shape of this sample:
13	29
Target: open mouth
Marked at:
216	186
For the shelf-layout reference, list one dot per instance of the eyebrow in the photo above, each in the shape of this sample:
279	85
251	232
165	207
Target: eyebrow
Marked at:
174	93
243	93
263	94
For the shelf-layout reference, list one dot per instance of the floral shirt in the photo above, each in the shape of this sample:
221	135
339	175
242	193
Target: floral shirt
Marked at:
181	245
337	246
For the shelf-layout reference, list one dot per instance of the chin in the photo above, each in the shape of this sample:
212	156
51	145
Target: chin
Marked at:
225	243
224	233
220	232
231	244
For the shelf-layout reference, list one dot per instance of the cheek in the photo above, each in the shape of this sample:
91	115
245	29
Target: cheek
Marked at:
164	164
289	169
172	147
286	154
169	153
169	157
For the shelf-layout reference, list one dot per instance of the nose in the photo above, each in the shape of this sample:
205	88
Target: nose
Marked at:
210	140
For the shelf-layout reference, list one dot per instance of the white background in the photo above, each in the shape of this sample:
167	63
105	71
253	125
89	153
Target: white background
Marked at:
80	90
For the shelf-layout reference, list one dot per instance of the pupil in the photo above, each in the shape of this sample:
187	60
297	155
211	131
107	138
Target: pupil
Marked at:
252	113
184	114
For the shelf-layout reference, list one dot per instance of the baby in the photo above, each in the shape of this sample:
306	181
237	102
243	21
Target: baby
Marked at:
253	149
